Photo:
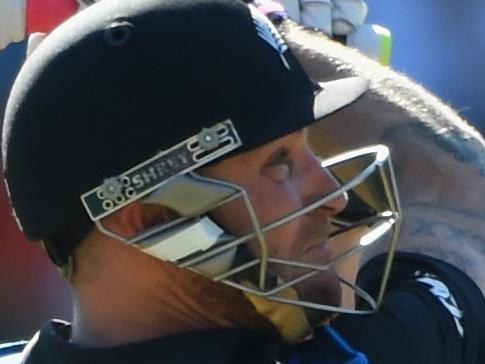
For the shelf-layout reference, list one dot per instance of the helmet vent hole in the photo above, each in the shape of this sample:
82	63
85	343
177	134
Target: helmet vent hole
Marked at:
117	34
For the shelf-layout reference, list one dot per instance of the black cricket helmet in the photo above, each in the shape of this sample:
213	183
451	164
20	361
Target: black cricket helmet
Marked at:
127	99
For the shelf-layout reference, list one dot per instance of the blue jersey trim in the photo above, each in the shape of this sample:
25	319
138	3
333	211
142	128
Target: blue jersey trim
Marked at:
327	346
356	357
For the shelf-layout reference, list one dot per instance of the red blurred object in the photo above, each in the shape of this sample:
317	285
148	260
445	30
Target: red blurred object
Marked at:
45	15
31	290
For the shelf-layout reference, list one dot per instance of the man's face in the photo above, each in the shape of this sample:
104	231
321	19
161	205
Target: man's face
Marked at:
281	177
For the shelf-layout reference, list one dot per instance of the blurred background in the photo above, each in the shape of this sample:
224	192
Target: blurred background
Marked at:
31	290
439	43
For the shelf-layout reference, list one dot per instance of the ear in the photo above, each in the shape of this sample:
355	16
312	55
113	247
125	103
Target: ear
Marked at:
136	217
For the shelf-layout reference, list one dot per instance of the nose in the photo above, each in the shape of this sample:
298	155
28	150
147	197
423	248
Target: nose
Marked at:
321	182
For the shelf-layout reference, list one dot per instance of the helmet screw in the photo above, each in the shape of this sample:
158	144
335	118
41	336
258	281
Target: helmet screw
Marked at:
111	188
118	33
208	138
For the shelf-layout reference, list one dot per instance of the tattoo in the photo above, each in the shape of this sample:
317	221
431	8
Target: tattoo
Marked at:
452	236
438	232
462	147
432	228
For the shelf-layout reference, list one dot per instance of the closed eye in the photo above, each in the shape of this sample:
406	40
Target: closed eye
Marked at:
279	167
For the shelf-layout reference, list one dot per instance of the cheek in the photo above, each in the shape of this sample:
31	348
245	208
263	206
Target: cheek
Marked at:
270	202
272	205
283	241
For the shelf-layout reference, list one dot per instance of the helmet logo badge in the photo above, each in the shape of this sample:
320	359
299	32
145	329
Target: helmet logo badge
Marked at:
190	154
269	34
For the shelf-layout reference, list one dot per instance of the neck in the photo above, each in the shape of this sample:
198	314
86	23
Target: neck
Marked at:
120	305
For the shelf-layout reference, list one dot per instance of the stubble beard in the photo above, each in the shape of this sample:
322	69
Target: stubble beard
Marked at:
323	288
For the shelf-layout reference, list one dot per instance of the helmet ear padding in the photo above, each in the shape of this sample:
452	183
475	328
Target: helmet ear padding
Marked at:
191	197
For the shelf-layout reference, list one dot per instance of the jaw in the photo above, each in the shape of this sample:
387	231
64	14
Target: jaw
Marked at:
323	288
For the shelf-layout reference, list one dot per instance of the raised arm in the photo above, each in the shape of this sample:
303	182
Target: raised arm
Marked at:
439	159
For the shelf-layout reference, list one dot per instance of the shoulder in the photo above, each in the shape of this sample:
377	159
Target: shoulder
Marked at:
326	346
11	353
442	287
432	313
414	269
449	235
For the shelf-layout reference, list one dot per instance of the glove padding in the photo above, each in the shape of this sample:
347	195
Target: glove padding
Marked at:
334	17
12	21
